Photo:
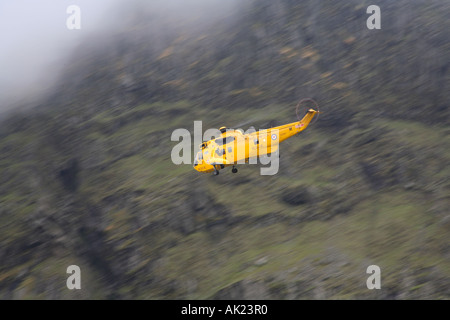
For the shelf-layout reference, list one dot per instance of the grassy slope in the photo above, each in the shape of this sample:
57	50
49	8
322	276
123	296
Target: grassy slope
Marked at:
317	249
393	228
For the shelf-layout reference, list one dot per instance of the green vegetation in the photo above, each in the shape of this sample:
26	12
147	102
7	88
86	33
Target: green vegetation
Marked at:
88	180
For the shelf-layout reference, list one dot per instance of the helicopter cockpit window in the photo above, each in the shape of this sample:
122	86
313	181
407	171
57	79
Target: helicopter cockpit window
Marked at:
222	141
220	152
200	156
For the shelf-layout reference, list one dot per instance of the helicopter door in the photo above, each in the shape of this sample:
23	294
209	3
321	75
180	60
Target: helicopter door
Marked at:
253	150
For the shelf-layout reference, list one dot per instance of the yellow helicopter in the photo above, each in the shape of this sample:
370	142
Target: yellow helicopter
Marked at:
234	147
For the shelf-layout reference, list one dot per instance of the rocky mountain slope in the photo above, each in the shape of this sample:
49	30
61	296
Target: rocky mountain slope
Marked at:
87	178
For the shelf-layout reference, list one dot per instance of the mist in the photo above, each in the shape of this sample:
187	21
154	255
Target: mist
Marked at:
37	44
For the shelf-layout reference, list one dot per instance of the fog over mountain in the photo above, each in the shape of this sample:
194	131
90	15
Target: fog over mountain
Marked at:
37	44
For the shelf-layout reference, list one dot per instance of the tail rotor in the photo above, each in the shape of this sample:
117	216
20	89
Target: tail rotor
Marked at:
304	105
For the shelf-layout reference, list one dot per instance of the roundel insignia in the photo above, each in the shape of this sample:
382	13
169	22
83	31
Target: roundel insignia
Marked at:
274	137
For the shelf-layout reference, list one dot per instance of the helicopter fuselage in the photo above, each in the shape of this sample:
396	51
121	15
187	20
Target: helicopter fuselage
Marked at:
234	147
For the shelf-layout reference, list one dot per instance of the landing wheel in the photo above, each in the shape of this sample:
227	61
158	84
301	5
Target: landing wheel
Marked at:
216	173
234	170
